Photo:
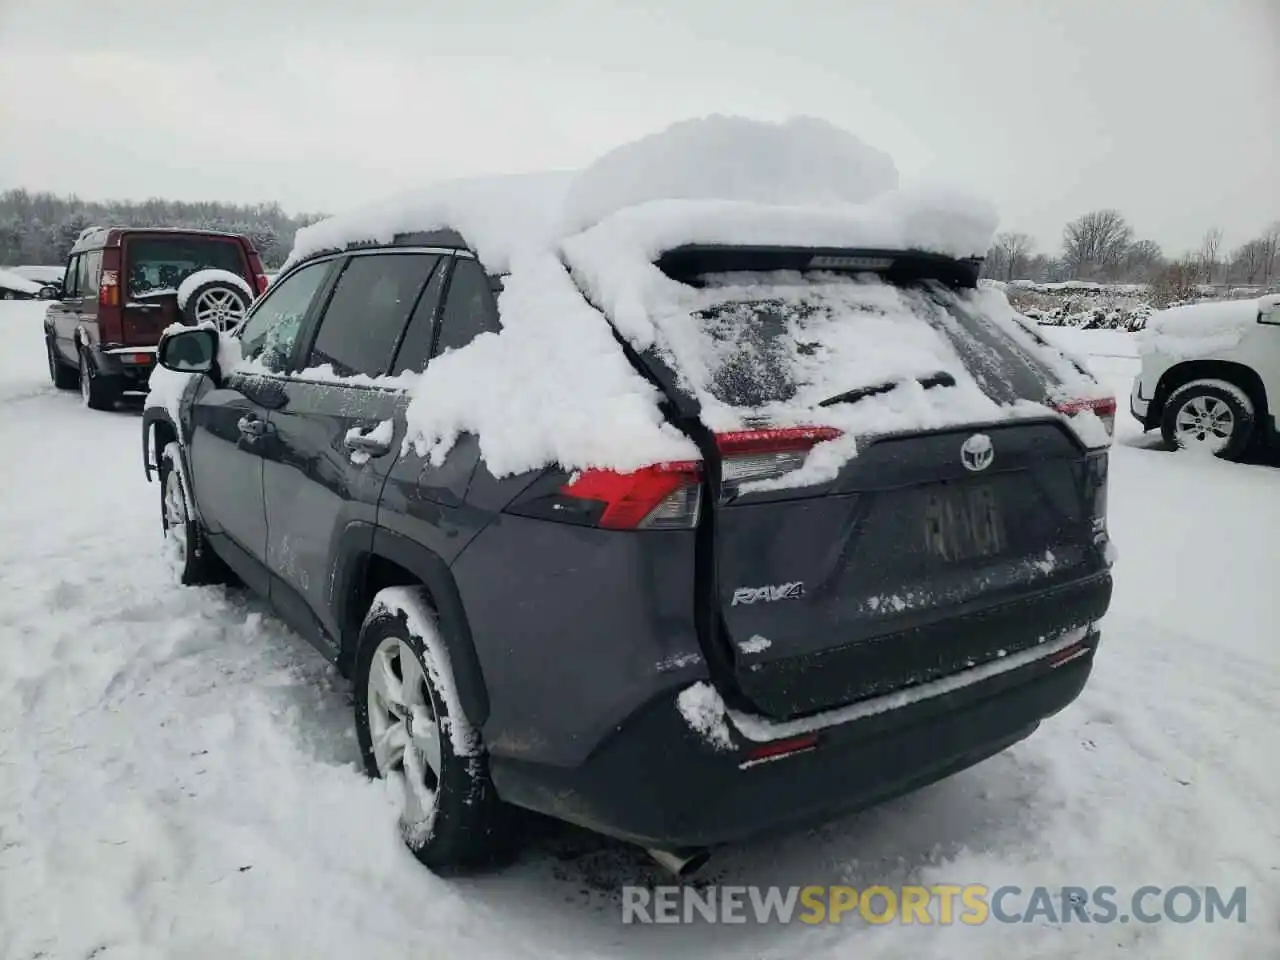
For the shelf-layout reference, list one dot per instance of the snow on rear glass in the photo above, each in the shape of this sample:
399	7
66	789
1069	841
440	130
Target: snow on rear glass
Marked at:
784	341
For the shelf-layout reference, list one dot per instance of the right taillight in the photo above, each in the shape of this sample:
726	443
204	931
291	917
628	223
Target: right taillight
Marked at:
1103	407
749	455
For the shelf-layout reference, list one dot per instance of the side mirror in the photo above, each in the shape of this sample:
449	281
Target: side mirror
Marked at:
188	351
1269	310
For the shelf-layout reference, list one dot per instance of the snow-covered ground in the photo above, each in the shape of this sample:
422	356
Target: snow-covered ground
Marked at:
178	777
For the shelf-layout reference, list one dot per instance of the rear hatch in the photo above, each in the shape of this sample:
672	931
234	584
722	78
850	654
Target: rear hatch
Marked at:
155	264
955	536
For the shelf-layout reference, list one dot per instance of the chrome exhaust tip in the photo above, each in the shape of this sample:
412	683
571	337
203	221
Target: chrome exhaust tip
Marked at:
680	863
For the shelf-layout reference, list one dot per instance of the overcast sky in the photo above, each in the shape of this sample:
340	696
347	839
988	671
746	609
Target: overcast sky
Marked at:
1169	111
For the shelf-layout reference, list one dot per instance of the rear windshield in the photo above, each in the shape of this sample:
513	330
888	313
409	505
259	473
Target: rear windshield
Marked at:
769	340
159	264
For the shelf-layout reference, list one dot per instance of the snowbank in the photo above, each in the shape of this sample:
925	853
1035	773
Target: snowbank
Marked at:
802	161
201	277
1199	329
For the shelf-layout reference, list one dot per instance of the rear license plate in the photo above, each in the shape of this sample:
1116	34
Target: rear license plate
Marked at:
963	523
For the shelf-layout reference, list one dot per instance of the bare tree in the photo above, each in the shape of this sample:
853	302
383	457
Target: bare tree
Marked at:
1095	244
1271	252
993	264
1176	282
1143	260
1015	248
1247	263
1209	247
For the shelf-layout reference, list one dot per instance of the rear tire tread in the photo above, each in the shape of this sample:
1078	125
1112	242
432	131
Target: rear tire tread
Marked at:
470	827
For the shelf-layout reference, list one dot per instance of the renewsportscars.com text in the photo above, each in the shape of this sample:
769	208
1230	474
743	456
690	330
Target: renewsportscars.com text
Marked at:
940	904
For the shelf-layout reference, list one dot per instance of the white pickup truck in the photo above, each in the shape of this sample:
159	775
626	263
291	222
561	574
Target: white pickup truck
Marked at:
1210	377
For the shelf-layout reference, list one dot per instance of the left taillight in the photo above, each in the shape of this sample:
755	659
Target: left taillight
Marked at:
666	496
109	289
260	283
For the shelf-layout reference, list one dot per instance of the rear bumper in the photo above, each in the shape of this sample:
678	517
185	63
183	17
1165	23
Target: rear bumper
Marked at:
130	366
657	783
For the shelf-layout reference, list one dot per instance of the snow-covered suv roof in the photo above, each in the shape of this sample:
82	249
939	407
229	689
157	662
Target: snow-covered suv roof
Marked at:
556	385
714	180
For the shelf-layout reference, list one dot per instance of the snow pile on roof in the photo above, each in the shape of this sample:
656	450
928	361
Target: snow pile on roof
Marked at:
804	161
212	275
497	216
1199	329
552	387
18	283
614	261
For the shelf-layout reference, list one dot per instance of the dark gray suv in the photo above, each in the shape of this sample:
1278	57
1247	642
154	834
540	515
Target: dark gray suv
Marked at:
669	656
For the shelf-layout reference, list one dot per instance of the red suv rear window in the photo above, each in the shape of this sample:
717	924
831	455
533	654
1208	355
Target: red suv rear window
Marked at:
156	264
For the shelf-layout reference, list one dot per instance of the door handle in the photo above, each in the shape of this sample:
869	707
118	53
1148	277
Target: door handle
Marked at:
369	445
252	426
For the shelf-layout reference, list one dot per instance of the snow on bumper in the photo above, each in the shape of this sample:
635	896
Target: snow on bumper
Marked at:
705	712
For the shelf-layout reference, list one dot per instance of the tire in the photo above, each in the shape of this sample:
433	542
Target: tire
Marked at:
218	302
63	376
1211	416
97	392
196	561
453	821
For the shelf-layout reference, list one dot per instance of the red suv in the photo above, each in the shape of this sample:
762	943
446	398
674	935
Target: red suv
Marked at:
125	285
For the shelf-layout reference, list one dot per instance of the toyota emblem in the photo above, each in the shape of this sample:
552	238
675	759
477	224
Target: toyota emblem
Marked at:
977	452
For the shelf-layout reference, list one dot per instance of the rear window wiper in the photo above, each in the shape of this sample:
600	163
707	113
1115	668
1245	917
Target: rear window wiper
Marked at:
939	379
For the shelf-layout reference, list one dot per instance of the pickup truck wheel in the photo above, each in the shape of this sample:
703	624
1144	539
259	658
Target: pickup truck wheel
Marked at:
63	376
1208	416
184	537
97	392
413	734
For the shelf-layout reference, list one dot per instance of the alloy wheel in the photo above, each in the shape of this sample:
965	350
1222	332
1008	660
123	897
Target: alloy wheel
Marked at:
1204	423
403	728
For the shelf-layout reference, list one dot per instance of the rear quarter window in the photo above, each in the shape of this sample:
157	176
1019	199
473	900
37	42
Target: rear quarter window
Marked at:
470	307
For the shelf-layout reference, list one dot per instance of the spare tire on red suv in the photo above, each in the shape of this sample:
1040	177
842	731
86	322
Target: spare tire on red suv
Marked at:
222	301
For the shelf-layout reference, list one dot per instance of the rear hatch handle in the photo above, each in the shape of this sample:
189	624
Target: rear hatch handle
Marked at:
939	379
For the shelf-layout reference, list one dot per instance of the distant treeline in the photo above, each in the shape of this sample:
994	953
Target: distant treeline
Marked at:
1101	246
40	228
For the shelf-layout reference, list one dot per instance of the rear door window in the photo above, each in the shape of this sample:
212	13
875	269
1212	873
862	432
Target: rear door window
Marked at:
159	264
271	332
368	312
470	307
